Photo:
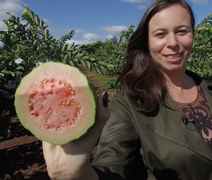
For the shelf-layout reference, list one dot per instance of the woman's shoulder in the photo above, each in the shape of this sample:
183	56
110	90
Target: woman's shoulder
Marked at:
122	97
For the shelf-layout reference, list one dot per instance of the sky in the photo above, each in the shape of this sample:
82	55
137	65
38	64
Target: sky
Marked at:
92	20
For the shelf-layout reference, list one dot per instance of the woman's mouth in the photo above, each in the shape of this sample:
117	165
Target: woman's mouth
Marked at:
173	56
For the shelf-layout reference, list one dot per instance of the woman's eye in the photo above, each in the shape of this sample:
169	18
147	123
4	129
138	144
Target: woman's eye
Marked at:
160	35
182	32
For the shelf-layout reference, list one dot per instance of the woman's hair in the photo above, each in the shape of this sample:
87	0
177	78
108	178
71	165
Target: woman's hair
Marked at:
141	77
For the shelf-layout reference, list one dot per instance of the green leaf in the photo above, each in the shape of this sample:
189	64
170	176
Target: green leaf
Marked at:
92	59
83	63
65	47
35	42
71	45
88	65
46	34
79	55
20	68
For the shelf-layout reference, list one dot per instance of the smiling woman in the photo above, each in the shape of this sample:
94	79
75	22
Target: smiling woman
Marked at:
170	41
160	122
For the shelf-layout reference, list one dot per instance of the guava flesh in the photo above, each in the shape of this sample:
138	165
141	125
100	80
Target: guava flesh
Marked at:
56	107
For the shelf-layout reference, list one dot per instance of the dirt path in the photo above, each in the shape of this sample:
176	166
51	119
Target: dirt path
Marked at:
21	154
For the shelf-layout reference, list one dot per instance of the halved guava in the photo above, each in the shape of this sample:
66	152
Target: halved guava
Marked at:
56	102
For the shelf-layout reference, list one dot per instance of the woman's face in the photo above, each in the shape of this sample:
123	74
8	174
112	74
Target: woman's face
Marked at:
171	38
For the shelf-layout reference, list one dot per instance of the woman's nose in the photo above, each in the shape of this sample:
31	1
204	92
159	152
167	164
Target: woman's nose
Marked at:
172	41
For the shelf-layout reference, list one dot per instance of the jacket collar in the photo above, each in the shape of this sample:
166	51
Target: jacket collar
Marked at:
176	131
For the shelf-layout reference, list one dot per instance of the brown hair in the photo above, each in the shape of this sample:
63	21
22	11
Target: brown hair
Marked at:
141	77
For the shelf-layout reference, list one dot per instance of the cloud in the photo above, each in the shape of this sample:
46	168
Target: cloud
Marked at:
109	36
47	22
142	4
134	1
77	31
87	38
3	27
15	7
91	37
114	30
78	42
12	6
142	7
3	15
200	1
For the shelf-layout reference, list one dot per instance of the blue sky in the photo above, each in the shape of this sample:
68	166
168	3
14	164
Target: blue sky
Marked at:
92	20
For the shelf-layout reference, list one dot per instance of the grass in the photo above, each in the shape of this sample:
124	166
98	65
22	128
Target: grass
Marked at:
100	81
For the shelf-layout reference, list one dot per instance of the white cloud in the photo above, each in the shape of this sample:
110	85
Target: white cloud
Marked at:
87	38
47	22
77	31
11	6
200	1
109	36
61	31
78	42
142	4
134	1
142	7
114	30
65	31
3	15
3	27
91	37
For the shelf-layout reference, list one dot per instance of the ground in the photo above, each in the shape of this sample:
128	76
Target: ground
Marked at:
21	155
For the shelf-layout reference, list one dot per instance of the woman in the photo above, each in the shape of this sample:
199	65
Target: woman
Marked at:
160	123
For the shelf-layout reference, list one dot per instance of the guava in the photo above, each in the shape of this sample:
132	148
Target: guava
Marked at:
56	102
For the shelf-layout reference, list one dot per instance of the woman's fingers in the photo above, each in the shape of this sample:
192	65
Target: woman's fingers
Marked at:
102	111
105	98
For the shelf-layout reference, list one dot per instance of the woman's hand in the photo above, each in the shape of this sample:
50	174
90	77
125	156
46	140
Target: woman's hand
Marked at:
71	161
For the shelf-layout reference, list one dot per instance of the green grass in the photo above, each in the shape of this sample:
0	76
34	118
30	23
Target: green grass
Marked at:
100	81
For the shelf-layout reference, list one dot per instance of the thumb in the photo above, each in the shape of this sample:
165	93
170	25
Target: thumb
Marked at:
102	110
102	115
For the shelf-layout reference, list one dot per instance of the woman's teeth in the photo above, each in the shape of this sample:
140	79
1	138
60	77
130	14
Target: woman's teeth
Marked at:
173	56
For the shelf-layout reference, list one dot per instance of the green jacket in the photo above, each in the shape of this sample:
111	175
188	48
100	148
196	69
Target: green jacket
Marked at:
135	147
